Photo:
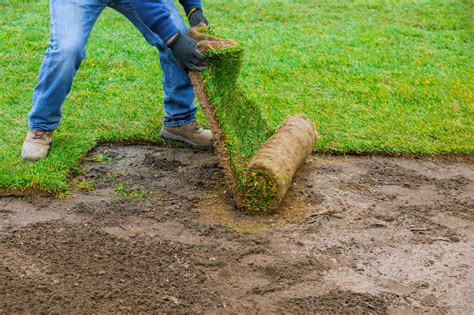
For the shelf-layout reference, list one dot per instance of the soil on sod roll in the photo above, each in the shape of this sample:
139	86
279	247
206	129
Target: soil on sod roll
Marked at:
153	229
261	181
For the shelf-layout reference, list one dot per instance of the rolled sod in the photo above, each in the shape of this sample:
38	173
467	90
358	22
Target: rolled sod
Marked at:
259	163
271	169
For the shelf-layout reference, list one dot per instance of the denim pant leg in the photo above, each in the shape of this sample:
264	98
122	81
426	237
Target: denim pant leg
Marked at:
71	23
179	93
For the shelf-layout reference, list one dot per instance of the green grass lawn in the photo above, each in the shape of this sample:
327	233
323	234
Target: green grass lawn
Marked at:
374	76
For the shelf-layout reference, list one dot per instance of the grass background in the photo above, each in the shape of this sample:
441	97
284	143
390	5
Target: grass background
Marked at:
374	76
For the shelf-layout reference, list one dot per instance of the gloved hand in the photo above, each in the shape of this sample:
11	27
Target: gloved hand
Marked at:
186	54
196	16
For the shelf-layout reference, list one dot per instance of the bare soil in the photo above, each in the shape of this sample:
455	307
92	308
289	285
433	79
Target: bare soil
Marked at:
158	233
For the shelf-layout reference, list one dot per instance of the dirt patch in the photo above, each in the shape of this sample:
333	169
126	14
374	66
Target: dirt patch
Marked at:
154	229
336	302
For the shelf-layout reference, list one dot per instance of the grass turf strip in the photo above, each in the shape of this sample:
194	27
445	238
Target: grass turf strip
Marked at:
260	183
373	76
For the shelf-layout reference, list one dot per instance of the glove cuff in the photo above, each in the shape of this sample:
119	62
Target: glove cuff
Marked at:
171	44
192	11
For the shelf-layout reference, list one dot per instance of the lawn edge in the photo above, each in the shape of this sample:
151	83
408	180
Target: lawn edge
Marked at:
442	157
55	193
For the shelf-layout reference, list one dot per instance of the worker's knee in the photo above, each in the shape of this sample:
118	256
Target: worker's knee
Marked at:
179	22
72	50
176	17
69	52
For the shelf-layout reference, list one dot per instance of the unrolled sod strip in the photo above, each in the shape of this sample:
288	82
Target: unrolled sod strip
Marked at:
265	180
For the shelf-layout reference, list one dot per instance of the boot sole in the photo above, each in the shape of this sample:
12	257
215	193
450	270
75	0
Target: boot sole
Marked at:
169	136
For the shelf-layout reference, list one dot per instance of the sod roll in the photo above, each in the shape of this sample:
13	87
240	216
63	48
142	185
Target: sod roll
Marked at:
259	162
271	169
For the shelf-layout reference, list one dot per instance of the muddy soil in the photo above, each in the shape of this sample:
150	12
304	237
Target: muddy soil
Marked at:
154	229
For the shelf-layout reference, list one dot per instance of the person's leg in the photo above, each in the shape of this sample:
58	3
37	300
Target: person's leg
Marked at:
179	93
71	24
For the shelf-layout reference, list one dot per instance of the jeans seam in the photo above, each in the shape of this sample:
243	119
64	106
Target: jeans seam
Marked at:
159	41
53	31
170	74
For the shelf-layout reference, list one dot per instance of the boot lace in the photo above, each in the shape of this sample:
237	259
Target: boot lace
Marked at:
39	134
195	125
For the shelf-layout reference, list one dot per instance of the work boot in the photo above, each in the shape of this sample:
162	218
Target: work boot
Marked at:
190	133
36	145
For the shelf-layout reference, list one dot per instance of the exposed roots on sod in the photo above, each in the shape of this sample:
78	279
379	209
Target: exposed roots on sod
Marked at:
258	191
259	166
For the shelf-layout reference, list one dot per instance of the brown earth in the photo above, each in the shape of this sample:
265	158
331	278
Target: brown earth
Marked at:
158	233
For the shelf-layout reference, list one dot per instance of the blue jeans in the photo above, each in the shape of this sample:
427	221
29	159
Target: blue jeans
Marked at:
71	25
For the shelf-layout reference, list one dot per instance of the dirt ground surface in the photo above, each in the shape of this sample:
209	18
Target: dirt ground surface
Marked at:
154	229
